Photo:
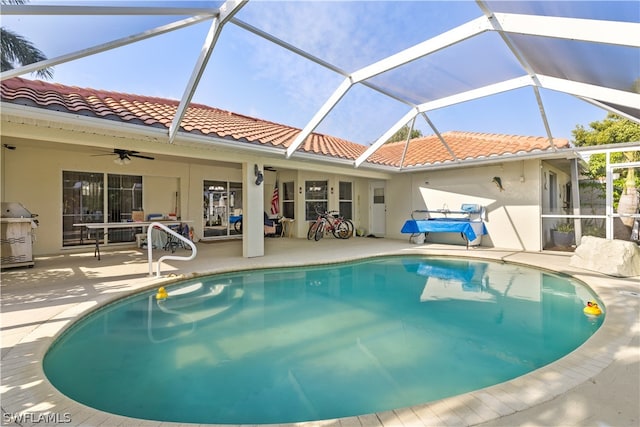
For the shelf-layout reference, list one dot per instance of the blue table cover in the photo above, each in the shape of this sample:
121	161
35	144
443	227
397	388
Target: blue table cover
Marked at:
415	226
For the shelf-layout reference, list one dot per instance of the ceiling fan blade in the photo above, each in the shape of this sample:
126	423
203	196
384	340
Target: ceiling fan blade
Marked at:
140	156
119	152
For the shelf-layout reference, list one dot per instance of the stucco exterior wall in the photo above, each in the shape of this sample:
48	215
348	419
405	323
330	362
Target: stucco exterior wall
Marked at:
359	203
513	215
32	175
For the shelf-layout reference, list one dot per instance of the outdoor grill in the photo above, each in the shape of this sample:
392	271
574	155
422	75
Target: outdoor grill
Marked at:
16	235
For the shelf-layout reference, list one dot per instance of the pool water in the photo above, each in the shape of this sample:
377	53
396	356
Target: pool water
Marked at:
288	345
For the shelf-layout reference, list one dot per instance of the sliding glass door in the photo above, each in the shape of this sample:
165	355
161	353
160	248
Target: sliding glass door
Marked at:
222	209
84	201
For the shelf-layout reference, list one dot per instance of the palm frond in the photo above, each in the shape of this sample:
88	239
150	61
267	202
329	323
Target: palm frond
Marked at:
16	50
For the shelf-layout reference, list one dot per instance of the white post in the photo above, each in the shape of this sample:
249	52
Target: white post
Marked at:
252	210
575	199
609	197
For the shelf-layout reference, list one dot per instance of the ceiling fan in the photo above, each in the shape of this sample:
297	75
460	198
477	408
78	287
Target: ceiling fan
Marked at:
124	156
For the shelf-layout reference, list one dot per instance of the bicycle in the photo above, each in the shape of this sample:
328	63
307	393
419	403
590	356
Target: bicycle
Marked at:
341	227
330	221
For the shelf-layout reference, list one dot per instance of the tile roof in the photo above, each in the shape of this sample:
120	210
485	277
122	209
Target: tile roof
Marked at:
429	150
208	121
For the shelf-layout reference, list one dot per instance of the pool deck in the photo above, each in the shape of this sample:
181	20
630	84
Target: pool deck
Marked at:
596	385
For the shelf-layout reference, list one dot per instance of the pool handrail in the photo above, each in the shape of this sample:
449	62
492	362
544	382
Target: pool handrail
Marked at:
153	225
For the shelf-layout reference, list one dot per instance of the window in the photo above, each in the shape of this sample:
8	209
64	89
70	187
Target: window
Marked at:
83	201
288	200
378	195
315	195
346	199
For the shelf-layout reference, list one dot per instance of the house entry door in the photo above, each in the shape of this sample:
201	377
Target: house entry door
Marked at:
378	209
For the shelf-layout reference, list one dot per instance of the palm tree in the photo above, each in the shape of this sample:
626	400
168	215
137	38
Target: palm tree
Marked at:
16	50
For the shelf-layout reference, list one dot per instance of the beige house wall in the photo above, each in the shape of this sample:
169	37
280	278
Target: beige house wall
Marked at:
32	175
513	215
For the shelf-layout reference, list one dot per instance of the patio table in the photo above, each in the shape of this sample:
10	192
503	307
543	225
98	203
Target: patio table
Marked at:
95	226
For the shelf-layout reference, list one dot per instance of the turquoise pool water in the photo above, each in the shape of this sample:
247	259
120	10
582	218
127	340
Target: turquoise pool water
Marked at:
287	345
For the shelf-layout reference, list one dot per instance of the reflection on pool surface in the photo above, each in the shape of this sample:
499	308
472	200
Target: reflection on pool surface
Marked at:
287	345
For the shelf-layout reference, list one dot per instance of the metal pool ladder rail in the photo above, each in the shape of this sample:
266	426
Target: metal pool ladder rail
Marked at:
194	251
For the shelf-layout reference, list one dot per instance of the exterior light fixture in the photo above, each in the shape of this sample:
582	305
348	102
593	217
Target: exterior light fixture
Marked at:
258	173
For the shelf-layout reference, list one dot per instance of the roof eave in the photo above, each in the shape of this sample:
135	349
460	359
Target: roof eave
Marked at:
563	153
160	135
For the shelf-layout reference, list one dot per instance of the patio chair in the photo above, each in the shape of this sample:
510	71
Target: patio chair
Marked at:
272	227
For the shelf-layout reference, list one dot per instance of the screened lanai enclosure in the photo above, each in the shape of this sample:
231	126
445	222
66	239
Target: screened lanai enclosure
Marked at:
364	70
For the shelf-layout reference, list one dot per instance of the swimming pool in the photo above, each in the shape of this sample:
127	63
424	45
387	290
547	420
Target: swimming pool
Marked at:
286	345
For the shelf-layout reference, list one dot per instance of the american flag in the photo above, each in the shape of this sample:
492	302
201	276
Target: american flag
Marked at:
275	200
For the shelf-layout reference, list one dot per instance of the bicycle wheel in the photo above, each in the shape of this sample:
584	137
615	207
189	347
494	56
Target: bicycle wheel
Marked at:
319	231
238	226
351	228
341	231
312	230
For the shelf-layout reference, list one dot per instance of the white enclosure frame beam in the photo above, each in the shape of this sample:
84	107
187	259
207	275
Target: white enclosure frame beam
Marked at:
227	10
609	196
427	47
481	92
47	63
588	30
608	107
335	97
385	137
406	143
575	198
104	10
493	89
270	37
599	93
543	115
439	42
497	26
439	135
567	28
312	58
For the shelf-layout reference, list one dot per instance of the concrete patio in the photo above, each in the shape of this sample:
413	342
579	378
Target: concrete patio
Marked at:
596	385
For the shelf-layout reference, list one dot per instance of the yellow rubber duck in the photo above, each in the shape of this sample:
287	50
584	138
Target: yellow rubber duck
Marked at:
592	309
162	293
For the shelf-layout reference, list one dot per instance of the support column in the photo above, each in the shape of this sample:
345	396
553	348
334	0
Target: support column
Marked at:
575	199
252	210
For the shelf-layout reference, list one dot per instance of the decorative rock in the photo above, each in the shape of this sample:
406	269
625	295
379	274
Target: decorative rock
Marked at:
617	258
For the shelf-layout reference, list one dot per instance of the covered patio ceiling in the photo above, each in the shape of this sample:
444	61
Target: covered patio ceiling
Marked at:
429	57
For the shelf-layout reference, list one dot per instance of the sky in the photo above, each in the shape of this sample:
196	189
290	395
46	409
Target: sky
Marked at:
249	75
